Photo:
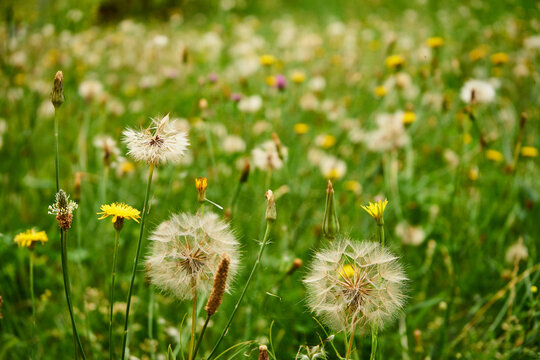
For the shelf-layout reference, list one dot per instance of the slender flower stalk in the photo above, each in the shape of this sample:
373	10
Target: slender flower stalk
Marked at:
271	216
136	260
216	296
32	288
376	211
57	99
374	343
193	318
111	301
67	288
119	212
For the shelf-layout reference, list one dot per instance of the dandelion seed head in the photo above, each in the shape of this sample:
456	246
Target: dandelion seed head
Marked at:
477	91
160	143
355	284
186	251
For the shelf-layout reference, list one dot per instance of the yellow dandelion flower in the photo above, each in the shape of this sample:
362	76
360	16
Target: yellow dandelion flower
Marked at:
473	174
467	138
494	155
435	42
19	79
267	60
271	81
478	53
353	186
328	141
499	58
301	128
119	211
394	61
298	77
376	210
30	237
408	117
529	151
348	271
380	91
534	289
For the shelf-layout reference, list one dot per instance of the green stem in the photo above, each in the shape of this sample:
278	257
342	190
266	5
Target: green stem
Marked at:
349	347
380	233
32	288
115	252
145	210
151	324
67	288
263	244
374	343
211	150
235	196
32	345
193	320
57	166
200	337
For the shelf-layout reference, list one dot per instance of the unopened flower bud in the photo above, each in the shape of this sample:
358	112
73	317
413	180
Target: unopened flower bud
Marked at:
201	184
57	94
271	213
245	172
296	264
330	226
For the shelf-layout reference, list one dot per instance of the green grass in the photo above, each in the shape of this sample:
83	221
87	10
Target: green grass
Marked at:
469	225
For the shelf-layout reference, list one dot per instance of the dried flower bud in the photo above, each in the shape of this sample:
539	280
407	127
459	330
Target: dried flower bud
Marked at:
218	289
263	352
279	148
523	120
296	264
57	94
185	56
201	184
330	226
245	172
271	213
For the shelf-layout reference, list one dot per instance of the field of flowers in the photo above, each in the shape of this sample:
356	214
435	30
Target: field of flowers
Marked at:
283	180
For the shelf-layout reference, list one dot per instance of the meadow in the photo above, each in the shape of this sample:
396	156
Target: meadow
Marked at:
359	179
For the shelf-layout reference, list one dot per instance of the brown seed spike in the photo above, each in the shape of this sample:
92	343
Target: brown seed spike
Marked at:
220	280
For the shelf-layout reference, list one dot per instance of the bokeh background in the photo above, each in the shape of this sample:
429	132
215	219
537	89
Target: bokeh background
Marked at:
463	196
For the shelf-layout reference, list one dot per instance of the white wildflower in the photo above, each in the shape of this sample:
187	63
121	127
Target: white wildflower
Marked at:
267	157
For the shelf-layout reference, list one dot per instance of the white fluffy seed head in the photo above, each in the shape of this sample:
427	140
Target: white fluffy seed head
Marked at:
356	285
186	251
160	143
